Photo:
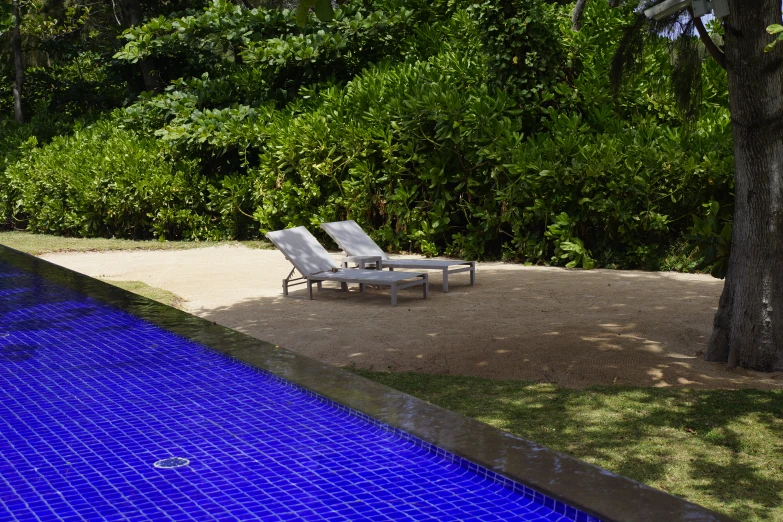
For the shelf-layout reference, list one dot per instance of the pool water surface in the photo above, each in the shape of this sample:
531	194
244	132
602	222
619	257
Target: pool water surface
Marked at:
93	398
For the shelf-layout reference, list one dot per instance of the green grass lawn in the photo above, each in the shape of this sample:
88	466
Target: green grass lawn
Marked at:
37	244
721	449
150	292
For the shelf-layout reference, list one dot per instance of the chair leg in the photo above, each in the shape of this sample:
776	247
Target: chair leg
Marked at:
426	286
344	287
394	294
445	280
285	287
319	285
473	274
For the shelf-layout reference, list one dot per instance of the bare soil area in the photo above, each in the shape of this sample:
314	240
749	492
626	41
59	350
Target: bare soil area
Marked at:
573	328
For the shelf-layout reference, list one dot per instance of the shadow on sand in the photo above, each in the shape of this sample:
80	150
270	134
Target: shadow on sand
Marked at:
572	328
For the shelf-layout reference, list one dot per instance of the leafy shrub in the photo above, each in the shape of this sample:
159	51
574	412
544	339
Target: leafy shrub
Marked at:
13	136
523	45
429	156
463	127
433	164
568	247
628	187
390	150
84	85
252	56
105	181
711	237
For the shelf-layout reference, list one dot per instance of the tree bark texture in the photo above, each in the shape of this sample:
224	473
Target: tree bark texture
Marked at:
748	327
576	14
19	79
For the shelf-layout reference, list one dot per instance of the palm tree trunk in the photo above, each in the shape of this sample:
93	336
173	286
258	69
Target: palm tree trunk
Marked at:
748	327
19	79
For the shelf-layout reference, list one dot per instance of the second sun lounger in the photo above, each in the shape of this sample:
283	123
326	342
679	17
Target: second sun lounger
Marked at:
358	247
315	265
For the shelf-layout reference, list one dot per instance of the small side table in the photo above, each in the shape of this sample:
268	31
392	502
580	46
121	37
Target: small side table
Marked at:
362	262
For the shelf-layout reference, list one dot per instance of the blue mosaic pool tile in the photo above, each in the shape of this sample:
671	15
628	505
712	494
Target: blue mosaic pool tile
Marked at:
93	397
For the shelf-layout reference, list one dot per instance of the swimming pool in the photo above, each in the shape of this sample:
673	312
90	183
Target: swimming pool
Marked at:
95	400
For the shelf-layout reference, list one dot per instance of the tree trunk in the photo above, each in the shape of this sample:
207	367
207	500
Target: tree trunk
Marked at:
19	80
748	327
132	13
576	15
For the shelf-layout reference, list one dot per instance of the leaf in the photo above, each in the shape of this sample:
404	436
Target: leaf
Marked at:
568	246
323	10
775	29
303	10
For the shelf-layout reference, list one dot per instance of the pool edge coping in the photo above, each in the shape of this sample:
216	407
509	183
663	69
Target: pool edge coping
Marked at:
588	488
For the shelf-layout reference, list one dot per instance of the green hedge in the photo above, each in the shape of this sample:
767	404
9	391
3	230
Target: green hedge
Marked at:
105	181
429	158
484	134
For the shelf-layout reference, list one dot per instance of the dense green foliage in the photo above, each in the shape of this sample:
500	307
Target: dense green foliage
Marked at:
104	179
478	129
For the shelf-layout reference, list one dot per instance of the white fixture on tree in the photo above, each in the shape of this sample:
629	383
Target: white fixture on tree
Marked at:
720	8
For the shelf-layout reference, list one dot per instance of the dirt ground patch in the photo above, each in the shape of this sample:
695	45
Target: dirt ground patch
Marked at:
573	328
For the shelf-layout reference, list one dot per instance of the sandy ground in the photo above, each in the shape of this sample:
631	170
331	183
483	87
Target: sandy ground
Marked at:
570	327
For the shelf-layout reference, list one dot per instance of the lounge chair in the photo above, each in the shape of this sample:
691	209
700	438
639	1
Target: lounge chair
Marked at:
358	246
315	264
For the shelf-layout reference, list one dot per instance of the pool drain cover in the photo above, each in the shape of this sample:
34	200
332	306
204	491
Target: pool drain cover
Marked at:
173	462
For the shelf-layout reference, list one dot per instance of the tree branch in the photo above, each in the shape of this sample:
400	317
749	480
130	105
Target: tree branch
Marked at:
576	15
716	53
116	16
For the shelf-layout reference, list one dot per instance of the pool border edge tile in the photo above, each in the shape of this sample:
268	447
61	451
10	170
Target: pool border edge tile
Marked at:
597	492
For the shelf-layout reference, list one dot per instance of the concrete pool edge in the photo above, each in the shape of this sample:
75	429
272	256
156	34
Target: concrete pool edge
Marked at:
578	484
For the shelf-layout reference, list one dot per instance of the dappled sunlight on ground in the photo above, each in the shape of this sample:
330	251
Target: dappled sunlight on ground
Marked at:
570	327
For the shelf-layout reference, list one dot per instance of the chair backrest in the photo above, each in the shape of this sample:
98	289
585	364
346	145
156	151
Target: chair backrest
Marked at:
351	238
303	250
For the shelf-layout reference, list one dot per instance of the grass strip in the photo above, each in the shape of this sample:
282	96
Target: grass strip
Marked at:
150	292
722	449
38	244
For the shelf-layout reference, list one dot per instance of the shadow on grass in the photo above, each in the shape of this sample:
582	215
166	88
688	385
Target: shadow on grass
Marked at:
718	448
